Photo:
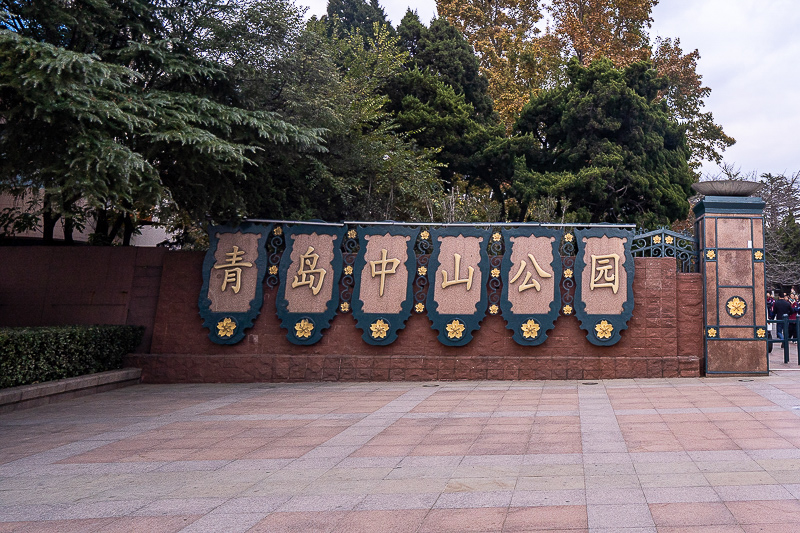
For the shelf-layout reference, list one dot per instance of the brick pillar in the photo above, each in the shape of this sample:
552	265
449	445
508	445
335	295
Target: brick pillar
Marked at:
730	232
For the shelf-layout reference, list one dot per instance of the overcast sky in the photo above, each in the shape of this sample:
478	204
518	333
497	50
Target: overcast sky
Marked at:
748	49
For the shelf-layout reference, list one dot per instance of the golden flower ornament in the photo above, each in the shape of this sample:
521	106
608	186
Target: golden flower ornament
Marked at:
761	332
669	239
567	309
495	272
455	330
348	270
345	307
759	255
273	270
496	236
379	329
424	235
530	329
226	327
493	309
568	237
303	329
603	330
422	271
352	234
736	306
420	307
277	231
657	239
568	273
712	332
711	254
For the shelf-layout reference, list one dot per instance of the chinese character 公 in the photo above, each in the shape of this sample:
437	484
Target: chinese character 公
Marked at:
233	271
525	285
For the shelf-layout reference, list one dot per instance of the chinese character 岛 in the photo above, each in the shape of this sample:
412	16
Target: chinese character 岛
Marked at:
233	271
605	272
528	283
383	271
456	279
308	273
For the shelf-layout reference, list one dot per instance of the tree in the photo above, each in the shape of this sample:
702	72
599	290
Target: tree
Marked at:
356	15
99	107
781	194
504	36
606	145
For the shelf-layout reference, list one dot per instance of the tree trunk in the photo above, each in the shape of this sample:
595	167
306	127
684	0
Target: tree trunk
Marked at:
49	220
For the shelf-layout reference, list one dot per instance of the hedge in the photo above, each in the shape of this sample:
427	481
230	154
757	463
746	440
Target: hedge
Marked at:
34	355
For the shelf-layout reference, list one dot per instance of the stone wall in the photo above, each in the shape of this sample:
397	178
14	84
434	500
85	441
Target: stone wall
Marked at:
664	339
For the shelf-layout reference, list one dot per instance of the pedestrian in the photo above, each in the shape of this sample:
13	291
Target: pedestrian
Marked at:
782	307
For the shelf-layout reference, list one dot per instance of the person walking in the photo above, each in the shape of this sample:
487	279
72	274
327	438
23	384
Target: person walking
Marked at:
782	307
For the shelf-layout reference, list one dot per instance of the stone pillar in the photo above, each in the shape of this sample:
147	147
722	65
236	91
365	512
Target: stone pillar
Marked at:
730	232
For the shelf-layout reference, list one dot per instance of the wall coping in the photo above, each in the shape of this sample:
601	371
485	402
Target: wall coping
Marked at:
26	396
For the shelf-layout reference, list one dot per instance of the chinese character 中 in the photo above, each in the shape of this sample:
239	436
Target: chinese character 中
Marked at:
605	273
233	271
528	283
467	280
308	272
383	271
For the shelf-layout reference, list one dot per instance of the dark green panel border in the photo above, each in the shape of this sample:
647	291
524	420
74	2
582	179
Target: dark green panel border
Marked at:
241	320
472	322
395	321
546	321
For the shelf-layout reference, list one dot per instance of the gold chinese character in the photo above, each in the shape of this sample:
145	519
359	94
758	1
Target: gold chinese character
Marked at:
306	276
233	271
383	271
604	272
456	280
525	285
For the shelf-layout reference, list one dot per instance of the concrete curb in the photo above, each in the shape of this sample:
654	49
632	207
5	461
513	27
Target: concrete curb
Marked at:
27	396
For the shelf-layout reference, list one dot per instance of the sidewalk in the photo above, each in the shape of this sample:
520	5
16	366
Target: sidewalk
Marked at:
666	455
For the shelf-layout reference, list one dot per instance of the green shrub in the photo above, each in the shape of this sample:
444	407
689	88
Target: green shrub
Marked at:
31	355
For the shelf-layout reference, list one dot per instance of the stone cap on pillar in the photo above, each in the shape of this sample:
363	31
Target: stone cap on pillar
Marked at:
750	205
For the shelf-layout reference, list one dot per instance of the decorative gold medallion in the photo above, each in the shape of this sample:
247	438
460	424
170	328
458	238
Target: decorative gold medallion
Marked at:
424	235
352	234
226	327
530	329
568	273
568	237
711	254
493	309
496	237
345	307
420	307
761	332
303	329
277	231
736	307
712	332
422	271
759	255
379	329
348	270
273	270
567	309
669	239
603	330
455	329
495	272
657	239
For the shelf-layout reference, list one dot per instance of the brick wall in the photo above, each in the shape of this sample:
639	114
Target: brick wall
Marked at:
664	339
49	286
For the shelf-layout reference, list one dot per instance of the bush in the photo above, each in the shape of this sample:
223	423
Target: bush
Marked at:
32	355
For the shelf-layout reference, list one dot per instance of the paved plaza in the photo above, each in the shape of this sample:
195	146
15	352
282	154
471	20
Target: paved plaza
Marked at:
666	455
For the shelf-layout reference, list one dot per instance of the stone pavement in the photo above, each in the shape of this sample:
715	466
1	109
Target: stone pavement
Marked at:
666	455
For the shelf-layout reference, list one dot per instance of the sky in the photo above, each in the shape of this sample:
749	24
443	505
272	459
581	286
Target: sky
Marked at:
748	52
